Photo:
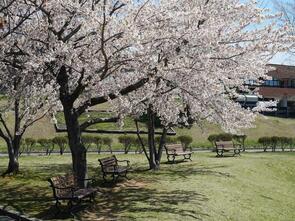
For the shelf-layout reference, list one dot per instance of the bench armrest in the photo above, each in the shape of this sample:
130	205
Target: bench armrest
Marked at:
173	151
238	146
127	161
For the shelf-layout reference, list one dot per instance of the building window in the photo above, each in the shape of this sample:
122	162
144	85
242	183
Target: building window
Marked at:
273	83
291	83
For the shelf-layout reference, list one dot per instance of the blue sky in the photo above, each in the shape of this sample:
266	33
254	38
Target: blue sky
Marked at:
281	58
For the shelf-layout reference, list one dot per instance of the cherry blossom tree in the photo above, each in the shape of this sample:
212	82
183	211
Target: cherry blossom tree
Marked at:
26	96
200	53
179	60
81	49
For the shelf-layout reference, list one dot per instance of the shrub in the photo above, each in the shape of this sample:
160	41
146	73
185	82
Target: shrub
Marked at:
274	141
285	142
224	137
220	137
98	141
47	145
265	142
145	140
185	140
108	142
127	141
240	139
27	145
61	142
87	141
170	140
138	144
212	138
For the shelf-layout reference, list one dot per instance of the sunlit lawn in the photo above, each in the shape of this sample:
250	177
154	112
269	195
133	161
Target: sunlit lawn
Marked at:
256	186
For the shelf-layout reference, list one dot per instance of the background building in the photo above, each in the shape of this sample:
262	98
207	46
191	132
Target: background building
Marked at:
281	88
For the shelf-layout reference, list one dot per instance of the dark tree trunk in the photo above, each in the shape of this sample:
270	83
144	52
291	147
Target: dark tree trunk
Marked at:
71	116
13	153
161	146
77	148
154	164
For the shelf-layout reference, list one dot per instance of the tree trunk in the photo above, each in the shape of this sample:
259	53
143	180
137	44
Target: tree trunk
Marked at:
154	164
13	153
161	146
77	148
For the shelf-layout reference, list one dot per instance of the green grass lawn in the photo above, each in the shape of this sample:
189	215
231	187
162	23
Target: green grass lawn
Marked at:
256	186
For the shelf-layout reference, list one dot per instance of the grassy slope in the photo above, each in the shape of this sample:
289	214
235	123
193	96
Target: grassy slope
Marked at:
251	187
265	126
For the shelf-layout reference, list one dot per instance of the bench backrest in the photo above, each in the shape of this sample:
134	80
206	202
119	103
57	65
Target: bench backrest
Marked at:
224	144
63	181
108	162
172	148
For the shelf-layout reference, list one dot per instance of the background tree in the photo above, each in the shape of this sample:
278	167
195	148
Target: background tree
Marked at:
197	69
27	95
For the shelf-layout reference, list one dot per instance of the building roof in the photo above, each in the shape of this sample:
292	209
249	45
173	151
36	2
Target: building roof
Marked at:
282	71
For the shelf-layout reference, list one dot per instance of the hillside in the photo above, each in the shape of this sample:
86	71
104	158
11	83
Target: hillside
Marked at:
265	126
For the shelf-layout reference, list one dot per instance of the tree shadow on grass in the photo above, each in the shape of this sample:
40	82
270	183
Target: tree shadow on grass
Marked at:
185	171
132	199
29	193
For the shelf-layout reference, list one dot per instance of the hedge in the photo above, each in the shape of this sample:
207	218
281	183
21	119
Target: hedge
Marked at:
274	142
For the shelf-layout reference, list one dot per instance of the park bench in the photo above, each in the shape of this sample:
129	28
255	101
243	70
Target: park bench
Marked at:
65	188
110	166
227	146
175	150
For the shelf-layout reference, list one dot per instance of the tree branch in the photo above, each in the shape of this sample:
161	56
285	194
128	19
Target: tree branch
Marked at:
103	99
5	126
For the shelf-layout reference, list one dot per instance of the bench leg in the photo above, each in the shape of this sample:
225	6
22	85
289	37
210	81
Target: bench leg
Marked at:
188	157
70	204
169	160
219	153
104	177
126	175
237	152
57	205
